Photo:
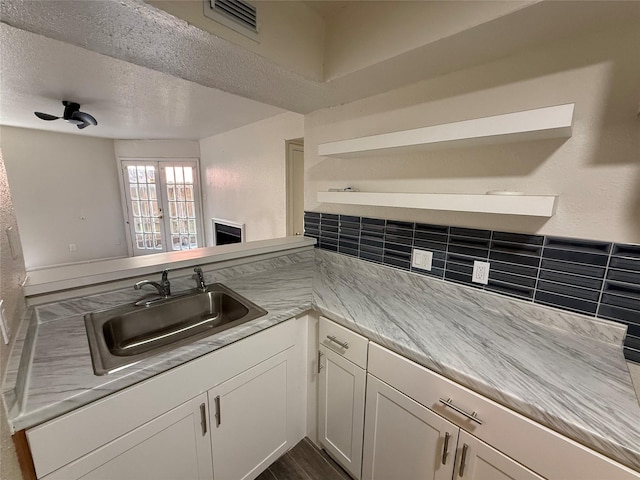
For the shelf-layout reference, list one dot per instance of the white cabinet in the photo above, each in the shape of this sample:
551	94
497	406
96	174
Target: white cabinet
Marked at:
140	433
405	440
478	461
341	404
501	445
174	445
249	420
342	359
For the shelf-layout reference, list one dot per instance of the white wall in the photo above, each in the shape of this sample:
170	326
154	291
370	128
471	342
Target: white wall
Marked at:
65	190
365	33
243	173
596	172
157	148
291	33
12	273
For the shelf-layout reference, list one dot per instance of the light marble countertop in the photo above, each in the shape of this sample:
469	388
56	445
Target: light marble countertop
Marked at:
60	376
87	273
562	370
571	383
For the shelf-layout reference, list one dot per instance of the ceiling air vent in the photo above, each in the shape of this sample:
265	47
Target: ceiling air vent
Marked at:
238	15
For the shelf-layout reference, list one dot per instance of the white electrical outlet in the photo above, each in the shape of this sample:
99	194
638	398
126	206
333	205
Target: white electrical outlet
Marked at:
422	259
4	327
72	247
480	272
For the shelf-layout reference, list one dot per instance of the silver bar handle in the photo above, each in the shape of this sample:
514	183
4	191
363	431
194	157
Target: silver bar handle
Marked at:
203	418
333	339
463	460
218	412
445	449
319	361
471	416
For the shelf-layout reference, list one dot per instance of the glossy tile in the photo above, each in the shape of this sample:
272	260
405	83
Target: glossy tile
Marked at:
577	245
429	245
586	276
576	257
510	289
568	303
569	279
518	238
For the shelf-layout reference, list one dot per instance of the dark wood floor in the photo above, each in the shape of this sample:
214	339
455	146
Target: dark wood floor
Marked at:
304	462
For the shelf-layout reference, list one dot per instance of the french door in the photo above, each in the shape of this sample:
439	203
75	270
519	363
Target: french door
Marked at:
162	200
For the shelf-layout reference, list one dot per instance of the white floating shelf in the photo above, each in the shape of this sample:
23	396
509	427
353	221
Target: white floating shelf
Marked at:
530	205
541	123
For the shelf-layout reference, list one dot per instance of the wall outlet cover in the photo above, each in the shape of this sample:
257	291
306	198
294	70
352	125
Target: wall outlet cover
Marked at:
480	272
422	259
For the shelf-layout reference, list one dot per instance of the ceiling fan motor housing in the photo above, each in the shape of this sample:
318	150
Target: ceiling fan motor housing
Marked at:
69	108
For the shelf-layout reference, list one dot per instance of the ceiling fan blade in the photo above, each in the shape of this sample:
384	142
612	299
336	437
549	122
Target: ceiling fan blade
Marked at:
84	117
46	116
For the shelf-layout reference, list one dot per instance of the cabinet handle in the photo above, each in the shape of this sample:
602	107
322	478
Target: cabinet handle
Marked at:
218	412
333	339
463	460
471	416
319	361
203	418
445	449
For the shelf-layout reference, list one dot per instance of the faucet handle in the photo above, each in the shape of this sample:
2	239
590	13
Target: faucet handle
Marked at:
199	277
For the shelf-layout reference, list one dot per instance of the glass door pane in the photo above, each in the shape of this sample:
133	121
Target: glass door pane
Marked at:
182	207
143	196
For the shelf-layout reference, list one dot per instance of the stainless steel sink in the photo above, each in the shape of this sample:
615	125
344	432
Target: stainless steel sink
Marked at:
127	334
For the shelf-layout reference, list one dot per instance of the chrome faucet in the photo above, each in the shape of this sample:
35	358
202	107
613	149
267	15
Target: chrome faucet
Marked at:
199	277
164	287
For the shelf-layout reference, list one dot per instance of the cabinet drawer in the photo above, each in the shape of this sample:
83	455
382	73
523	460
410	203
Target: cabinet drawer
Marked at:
344	342
539	448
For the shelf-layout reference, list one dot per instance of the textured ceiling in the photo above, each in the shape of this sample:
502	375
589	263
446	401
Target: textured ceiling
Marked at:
139	35
128	101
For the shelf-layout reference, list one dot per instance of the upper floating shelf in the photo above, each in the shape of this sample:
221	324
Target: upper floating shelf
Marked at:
540	123
529	205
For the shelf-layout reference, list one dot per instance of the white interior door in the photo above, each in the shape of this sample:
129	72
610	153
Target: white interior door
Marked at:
295	188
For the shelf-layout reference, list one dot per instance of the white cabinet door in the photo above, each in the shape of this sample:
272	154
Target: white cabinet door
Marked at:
174	445
341	405
478	461
403	439
249	419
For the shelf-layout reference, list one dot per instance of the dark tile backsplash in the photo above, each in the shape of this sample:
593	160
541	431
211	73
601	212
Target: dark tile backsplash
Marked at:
594	278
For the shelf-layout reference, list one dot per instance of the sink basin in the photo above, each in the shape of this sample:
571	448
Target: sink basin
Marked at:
124	335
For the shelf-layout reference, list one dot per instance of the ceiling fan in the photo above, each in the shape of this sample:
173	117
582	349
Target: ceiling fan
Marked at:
72	114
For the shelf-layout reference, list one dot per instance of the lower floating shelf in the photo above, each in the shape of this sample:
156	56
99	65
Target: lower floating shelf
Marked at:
529	205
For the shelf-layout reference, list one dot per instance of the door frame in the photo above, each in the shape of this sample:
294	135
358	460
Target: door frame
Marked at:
291	146
125	206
